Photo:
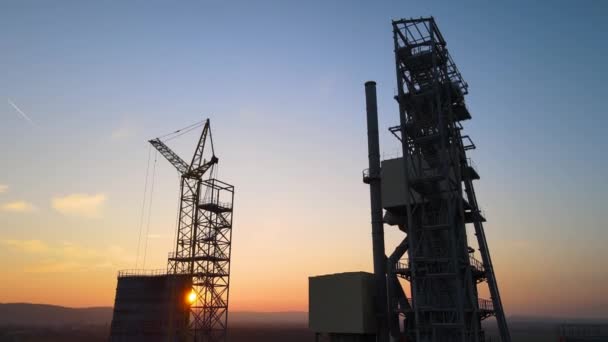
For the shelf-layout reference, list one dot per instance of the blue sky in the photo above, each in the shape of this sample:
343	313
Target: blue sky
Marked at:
282	82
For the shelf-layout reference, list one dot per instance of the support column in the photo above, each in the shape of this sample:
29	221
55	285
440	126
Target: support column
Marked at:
373	146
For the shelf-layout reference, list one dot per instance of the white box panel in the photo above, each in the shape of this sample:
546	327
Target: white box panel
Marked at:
342	303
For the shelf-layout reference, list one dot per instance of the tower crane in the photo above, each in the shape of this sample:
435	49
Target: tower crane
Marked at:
204	234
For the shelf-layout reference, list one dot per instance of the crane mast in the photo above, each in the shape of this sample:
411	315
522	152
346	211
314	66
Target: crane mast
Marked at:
203	242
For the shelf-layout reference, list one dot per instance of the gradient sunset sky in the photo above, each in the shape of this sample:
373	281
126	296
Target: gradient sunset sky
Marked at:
84	85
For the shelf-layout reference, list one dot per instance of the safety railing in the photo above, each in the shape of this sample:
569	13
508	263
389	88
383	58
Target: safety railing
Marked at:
468	143
216	203
365	174
455	76
173	255
485	304
477	265
141	273
402	265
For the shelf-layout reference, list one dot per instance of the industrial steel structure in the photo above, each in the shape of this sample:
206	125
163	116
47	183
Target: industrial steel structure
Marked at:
204	234
189	300
428	193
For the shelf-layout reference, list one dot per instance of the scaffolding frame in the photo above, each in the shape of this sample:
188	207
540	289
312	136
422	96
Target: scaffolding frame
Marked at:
440	199
203	239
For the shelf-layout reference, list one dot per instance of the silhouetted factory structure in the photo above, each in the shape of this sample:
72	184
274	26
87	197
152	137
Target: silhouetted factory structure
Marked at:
189	300
428	194
426	290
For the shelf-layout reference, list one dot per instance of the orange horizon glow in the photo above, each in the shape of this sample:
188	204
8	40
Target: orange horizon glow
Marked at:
538	299
86	85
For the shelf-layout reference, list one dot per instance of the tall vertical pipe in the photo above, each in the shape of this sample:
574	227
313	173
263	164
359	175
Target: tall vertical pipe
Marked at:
373	146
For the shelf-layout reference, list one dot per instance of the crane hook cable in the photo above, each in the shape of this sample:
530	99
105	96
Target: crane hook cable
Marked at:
181	129
149	210
143	205
182	133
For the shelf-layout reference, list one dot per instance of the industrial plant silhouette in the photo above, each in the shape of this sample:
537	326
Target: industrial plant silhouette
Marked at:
438	284
188	301
427	193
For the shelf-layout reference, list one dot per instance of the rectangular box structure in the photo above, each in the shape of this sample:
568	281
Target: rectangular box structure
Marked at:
420	175
342	303
151	306
393	183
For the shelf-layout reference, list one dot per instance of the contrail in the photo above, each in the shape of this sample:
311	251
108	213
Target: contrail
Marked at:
20	111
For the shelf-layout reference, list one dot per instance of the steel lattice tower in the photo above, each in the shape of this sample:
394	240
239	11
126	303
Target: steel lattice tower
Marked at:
440	199
204	235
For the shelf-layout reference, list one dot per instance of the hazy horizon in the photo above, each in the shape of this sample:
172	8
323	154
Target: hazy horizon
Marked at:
84	86
303	315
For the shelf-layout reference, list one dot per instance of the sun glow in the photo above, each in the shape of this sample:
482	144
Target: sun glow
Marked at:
191	298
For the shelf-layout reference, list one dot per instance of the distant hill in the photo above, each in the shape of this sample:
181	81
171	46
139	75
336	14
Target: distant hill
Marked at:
16	314
52	315
42	315
258	318
558	320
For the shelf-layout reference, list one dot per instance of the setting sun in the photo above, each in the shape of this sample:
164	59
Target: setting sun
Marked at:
391	170
191	298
